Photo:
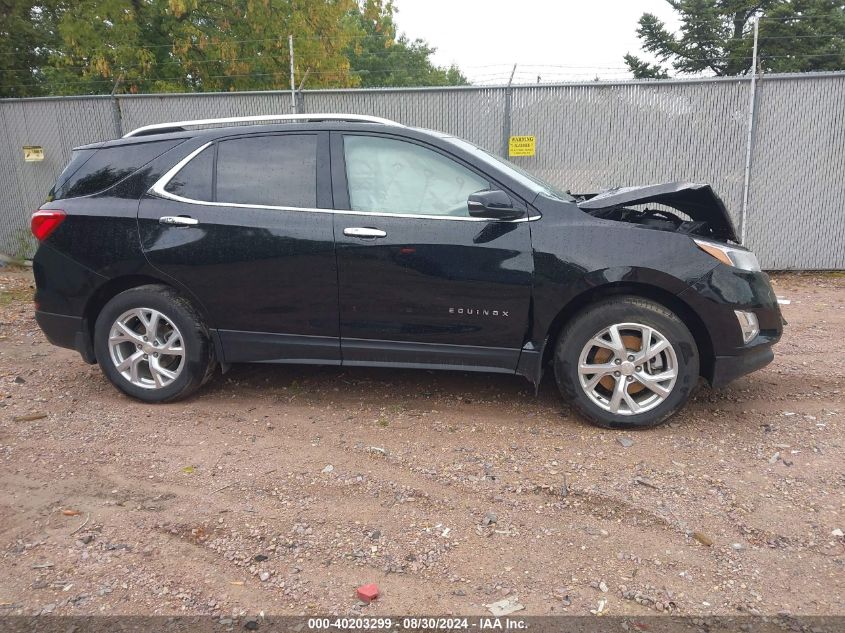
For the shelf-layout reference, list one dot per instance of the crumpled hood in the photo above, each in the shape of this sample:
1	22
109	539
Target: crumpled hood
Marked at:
697	200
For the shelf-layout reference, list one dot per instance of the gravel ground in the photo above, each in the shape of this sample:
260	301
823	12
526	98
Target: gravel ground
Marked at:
282	489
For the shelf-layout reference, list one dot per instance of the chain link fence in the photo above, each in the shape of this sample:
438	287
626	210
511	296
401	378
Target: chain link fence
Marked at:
589	136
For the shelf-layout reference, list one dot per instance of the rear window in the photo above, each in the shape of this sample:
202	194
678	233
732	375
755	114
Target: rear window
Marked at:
77	159
94	170
273	170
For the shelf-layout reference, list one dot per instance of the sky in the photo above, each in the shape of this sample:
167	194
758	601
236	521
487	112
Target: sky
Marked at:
559	40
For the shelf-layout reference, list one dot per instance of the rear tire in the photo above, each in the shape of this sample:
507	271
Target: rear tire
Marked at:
601	364
152	344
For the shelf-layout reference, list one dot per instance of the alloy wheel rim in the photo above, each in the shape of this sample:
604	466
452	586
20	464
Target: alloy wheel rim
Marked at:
146	348
628	368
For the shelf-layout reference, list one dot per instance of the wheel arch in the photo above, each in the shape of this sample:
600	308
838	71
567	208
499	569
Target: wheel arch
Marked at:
113	287
667	299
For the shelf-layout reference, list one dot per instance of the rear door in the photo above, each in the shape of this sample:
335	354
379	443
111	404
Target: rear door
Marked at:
421	282
245	226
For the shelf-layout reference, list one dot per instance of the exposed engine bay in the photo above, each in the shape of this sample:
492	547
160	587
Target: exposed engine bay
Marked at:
693	208
654	218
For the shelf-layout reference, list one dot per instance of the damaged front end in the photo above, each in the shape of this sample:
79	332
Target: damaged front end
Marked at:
696	210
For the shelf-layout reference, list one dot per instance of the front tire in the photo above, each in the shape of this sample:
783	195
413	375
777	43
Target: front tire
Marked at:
626	362
152	345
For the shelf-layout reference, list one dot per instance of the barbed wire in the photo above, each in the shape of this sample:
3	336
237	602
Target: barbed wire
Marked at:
601	73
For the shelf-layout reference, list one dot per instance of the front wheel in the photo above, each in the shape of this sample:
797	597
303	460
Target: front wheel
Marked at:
626	362
152	344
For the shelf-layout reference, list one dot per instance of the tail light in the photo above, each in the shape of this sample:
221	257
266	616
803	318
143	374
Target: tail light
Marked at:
45	221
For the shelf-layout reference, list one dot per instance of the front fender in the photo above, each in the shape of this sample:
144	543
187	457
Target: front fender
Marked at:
558	302
555	301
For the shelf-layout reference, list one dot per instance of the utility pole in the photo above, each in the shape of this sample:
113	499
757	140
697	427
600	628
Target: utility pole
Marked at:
750	139
292	84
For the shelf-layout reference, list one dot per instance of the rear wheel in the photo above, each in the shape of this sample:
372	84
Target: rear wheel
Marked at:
152	345
626	362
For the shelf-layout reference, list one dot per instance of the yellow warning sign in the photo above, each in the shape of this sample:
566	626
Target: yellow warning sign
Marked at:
522	146
33	153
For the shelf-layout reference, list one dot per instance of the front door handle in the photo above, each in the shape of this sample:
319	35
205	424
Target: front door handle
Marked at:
178	220
360	231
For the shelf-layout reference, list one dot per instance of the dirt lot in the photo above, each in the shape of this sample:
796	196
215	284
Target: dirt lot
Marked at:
284	488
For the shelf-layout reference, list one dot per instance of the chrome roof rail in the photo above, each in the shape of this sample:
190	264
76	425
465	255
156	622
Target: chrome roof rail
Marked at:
175	125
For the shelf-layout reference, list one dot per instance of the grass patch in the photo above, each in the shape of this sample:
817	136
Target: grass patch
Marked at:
8	296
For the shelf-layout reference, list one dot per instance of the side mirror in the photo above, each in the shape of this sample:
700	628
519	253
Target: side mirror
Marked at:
495	204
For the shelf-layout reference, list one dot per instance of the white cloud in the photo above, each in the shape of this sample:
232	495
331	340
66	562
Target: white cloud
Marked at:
558	40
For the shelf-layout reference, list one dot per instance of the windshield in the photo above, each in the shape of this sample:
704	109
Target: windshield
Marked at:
517	173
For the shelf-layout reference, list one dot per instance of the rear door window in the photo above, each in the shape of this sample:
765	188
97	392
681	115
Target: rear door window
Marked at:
194	180
274	170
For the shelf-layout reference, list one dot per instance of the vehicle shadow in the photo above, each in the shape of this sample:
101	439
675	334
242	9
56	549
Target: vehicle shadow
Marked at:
418	388
381	386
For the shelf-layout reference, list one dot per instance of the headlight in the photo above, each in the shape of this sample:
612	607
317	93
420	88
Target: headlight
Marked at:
732	256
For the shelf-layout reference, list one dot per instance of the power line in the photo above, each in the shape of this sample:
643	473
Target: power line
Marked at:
154	78
345	72
748	36
794	17
267	56
794	37
282	39
522	68
207	39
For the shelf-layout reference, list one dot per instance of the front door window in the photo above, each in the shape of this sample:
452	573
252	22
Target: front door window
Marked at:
385	175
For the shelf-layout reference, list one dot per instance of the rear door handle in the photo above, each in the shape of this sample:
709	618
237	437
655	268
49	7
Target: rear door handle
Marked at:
360	231
178	220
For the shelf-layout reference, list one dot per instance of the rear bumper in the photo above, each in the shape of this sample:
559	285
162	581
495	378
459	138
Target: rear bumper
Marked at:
728	368
67	331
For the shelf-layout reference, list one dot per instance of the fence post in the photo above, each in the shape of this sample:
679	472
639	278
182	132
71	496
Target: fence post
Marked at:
750	140
118	116
300	98
506	124
115	103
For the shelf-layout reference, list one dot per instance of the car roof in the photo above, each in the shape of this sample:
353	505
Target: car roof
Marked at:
168	132
209	131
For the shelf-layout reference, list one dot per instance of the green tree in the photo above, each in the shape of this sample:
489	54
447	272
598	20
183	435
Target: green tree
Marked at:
716	37
172	45
379	58
27	38
136	46
643	70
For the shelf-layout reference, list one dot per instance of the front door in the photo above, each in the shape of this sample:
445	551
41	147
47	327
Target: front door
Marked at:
246	228
421	283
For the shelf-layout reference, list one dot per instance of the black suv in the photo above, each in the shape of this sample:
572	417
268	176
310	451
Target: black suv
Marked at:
351	240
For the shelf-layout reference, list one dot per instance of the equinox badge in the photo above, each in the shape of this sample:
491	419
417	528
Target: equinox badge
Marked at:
479	312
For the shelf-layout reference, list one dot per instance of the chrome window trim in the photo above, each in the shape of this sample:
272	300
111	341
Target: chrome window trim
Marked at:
161	183
158	189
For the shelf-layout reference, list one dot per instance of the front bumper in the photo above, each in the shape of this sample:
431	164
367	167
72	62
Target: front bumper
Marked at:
726	369
715	298
67	331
